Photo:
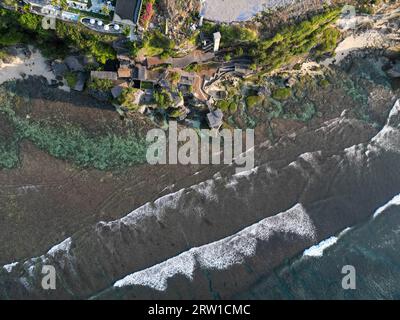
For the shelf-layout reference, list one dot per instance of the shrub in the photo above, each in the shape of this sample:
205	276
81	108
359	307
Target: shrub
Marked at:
30	21
252	101
227	57
223	105
128	99
174	77
70	142
101	84
176	113
8	155
18	27
281	93
233	107
328	41
71	79
295	40
324	83
148	14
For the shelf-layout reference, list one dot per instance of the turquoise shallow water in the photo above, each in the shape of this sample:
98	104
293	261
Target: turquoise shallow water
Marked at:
372	248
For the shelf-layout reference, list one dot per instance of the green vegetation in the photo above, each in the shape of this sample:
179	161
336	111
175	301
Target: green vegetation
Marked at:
93	43
281	93
154	44
233	107
176	113
230	106
8	156
252	101
71	79
308	112
105	10
303	112
163	99
3	54
72	143
129	99
10	3
10	38
227	57
324	83
223	105
315	33
174	77
328	42
231	35
61	3
101	84
30	21
146	85
195	67
27	28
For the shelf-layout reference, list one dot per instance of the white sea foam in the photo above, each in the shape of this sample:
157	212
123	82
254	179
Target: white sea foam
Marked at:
394	202
318	249
224	253
156	277
206	189
62	247
28	188
9	267
158	208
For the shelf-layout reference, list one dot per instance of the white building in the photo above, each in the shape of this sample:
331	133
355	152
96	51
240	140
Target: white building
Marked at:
217	41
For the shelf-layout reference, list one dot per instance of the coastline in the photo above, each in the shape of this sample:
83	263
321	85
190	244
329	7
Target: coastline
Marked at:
217	230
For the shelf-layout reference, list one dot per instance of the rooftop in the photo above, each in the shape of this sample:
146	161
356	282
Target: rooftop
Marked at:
124	73
104	75
128	11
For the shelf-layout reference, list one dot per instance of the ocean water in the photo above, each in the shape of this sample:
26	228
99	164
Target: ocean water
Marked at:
242	237
372	248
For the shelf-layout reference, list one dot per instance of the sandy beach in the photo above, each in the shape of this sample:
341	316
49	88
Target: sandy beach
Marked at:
24	66
376	36
369	39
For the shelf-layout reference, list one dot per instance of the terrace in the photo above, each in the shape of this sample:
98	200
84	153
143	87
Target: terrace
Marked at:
100	25
94	14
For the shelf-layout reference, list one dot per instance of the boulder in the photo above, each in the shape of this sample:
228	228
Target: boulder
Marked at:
59	69
80	81
74	63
